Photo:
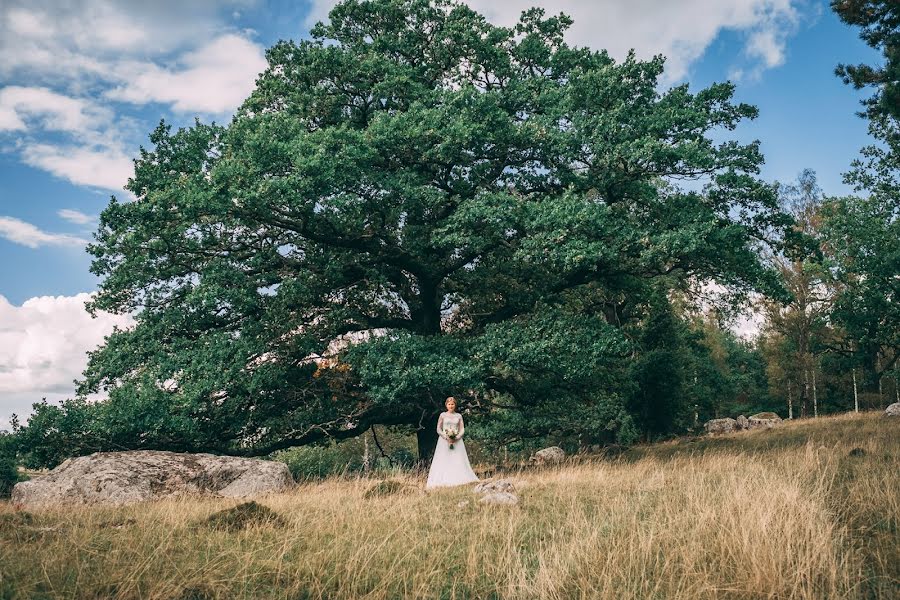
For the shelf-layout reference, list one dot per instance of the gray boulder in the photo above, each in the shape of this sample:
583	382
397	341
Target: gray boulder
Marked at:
553	454
499	485
893	410
742	422
507	498
118	478
764	420
715	426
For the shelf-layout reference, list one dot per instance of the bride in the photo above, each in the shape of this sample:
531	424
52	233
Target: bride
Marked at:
450	465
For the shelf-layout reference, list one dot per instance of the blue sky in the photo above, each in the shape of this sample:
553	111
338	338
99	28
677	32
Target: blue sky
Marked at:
82	84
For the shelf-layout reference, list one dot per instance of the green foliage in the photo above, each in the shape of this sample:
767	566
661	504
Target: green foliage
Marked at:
488	197
346	457
9	472
78	427
863	238
318	462
691	369
862	234
798	330
879	21
748	386
661	371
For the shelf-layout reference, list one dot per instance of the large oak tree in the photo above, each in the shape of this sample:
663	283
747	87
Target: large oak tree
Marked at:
488	200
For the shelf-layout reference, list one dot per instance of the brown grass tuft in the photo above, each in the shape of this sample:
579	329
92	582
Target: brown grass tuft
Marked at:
246	514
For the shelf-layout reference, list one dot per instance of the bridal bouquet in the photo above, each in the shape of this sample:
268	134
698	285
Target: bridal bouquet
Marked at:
452	434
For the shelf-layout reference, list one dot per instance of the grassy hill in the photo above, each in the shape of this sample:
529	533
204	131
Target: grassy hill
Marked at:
808	510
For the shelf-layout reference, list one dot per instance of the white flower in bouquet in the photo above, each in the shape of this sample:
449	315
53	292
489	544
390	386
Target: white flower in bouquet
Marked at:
451	434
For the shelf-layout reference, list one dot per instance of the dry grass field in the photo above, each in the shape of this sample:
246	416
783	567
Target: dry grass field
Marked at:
808	510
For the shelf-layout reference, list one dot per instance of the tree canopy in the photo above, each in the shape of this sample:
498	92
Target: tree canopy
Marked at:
862	234
488	205
879	22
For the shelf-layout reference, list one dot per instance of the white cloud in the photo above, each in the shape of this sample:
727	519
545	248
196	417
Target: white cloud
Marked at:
100	30
10	119
43	346
106	167
26	234
29	24
680	30
766	46
91	152
169	51
55	112
78	59
215	78
76	216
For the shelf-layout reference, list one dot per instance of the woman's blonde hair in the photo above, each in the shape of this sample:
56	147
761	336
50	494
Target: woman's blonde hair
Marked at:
449	398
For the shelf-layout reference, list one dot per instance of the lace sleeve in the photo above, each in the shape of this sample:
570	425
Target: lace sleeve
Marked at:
462	427
440	425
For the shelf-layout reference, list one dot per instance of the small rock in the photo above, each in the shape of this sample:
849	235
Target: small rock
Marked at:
553	454
893	410
500	485
742	422
462	504
764	419
506	498
715	426
857	452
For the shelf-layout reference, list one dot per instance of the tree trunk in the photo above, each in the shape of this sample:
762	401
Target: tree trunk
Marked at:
426	438
431	306
815	397
790	402
366	458
855	394
804	399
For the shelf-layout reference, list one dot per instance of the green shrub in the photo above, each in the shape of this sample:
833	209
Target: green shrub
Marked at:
9	473
346	457
404	458
318	462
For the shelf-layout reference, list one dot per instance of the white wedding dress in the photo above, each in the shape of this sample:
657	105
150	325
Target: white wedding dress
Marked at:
450	466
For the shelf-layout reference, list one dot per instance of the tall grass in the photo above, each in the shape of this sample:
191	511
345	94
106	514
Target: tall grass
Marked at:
786	513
